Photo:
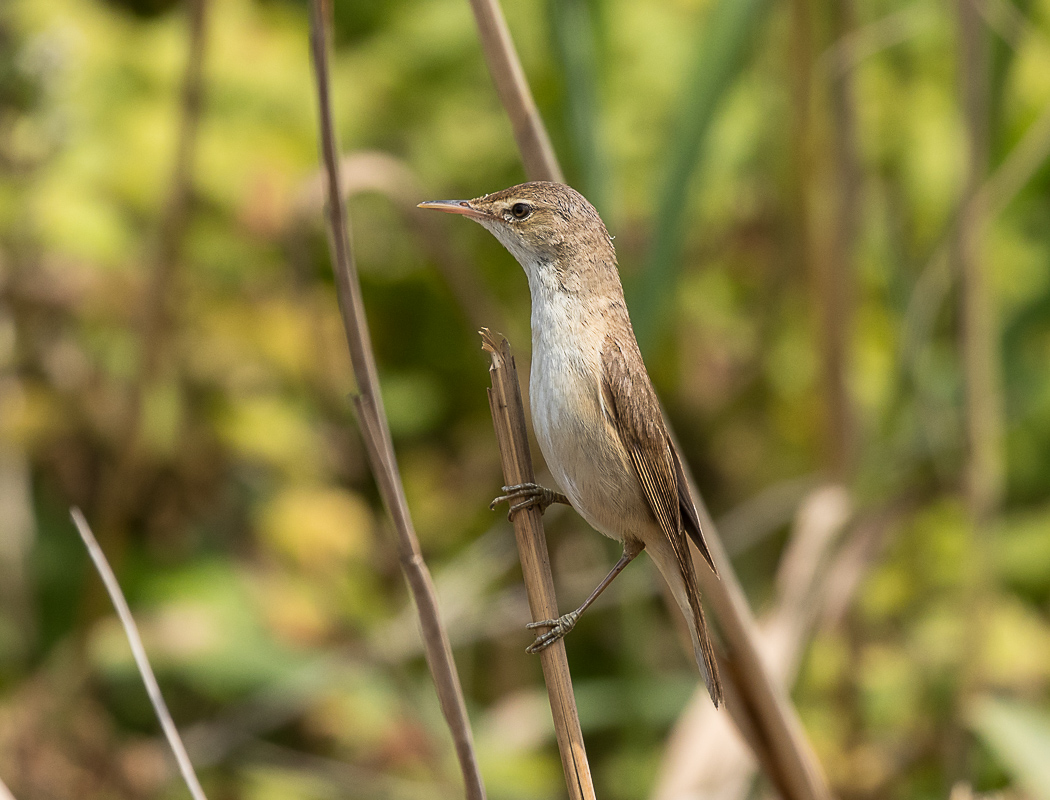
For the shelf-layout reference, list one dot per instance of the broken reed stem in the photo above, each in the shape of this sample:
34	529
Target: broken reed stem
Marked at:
541	164
376	432
771	718
508	418
139	652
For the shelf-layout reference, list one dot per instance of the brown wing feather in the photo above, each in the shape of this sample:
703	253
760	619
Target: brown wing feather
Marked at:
635	412
690	519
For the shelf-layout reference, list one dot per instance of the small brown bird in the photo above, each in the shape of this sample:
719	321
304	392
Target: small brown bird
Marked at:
594	410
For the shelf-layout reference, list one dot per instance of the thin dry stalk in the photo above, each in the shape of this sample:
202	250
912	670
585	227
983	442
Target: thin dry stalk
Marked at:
791	764
789	760
505	67
376	432
704	756
139	652
508	418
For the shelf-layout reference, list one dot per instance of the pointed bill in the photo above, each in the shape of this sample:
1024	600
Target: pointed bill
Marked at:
454	207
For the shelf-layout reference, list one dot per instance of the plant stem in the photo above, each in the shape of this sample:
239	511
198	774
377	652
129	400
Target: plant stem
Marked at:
139	652
376	431
508	418
505	68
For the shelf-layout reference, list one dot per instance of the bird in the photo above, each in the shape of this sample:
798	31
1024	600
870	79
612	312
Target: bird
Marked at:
594	409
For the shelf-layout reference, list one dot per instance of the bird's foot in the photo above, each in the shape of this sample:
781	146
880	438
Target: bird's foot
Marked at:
526	495
559	628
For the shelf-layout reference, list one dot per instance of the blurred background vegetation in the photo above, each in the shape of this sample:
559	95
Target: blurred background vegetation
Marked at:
833	223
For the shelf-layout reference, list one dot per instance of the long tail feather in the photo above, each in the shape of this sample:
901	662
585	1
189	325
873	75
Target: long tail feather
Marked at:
702	647
678	572
709	669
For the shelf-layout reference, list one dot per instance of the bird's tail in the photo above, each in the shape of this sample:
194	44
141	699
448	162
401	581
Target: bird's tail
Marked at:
681	578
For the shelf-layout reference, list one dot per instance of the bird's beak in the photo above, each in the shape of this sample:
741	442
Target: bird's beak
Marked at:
454	207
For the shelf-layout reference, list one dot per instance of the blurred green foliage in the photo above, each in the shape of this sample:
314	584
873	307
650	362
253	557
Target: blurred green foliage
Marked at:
249	536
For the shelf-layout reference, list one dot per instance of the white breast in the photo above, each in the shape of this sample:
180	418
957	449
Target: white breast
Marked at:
578	441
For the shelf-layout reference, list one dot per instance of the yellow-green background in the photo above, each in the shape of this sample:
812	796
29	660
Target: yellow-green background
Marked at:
256	554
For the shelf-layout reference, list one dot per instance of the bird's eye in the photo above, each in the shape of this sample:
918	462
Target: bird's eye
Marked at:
520	210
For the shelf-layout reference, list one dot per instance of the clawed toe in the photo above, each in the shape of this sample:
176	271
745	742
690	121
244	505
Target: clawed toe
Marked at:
542	643
525	495
559	628
547	623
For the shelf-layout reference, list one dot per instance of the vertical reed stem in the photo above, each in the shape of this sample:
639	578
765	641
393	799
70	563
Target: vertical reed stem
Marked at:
508	418
376	431
505	68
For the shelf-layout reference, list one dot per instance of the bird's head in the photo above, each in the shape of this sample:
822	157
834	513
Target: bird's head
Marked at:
544	225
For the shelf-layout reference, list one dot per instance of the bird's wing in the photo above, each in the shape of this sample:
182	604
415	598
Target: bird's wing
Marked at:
690	519
635	413
638	419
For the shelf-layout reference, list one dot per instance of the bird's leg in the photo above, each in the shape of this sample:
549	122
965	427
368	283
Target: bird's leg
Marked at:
566	622
525	495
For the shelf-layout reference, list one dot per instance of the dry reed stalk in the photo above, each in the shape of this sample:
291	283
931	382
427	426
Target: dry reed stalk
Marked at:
139	652
704	759
791	765
513	89
761	709
704	756
375	430
508	418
